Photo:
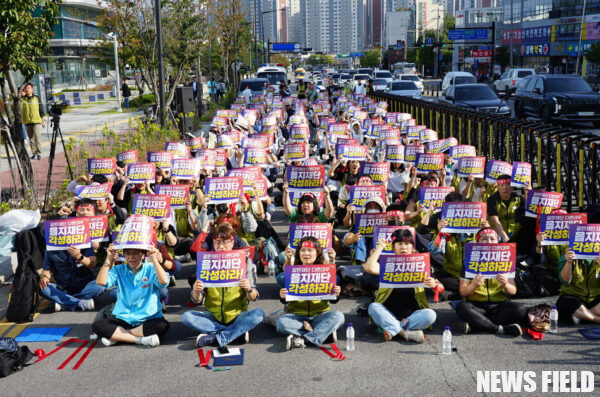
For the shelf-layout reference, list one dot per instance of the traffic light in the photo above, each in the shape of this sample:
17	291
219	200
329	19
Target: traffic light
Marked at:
443	45
422	45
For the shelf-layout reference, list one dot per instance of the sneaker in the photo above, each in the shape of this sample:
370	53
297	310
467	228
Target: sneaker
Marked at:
387	336
108	342
415	336
149	341
294	341
513	329
462	328
172	282
57	307
87	304
205	339
576	320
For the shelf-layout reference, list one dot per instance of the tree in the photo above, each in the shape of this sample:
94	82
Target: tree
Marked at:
27	27
593	53
370	60
282	59
502	56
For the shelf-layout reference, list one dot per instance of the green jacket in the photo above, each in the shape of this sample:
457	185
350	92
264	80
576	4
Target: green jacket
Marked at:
308	308
31	112
384	293
454	255
553	254
225	303
490	291
507	215
585	280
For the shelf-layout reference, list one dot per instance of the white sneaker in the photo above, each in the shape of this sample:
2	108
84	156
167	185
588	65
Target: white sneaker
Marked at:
87	304
108	342
57	307
294	341
413	335
576	320
150	340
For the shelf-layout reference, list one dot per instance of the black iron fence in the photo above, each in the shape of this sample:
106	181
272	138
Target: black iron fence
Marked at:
563	160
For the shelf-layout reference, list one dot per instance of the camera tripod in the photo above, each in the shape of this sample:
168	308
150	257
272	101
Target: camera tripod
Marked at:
56	133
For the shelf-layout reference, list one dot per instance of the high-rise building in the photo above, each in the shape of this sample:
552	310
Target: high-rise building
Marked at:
296	22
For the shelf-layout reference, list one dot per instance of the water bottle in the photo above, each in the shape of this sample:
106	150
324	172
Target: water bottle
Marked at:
553	320
447	341
271	268
350	338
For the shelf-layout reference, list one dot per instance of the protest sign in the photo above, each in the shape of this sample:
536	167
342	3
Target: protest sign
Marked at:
221	268
374	131
434	196
394	153
414	132
378	172
61	234
221	159
219	121
224	189
364	224
179	194
104	166
389	133
252	143
265	137
225	141
471	166
521	174
194	143
347	141
360	193
295	151
584	240
161	160
94	192
489	260
185	168
404	271
295	195
360	115
495	168
296	119
179	150
252	177
463	217
310	282
385	233
321	231
206	158
336	130
411	151
459	151
540	202
128	157
141	172
255	156
448	143
157	206
98	228
352	152
427	135
435	146
299	132
556	227
427	162
305	176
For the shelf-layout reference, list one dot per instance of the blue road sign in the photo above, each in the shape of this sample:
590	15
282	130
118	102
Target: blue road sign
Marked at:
468	34
285	47
429	41
357	54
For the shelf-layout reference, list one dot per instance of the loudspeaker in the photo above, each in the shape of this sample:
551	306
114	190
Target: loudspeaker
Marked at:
186	124
184	99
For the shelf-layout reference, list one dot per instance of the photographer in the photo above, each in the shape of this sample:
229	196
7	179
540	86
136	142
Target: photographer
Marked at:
33	118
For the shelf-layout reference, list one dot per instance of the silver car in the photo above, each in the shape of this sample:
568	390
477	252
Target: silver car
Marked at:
379	84
404	88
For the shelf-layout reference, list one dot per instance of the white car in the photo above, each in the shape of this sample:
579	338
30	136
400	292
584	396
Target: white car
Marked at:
379	84
414	78
383	74
404	88
500	84
513	79
457	78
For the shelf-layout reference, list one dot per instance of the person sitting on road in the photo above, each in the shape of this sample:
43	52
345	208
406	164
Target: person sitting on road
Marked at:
137	316
310	320
486	306
307	204
505	210
357	243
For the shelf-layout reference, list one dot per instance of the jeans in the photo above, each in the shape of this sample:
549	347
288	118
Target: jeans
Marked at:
206	323
419	319
126	102
71	301
359	248
323	325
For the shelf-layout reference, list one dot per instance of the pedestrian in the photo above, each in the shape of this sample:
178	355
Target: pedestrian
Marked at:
360	87
221	88
212	89
194	85
247	94
301	89
126	92
33	118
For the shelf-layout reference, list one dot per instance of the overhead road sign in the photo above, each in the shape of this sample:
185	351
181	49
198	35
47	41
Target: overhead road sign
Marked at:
357	54
285	47
469	34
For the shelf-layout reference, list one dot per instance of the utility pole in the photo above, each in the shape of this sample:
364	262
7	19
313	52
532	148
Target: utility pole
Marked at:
493	49
161	72
255	37
580	36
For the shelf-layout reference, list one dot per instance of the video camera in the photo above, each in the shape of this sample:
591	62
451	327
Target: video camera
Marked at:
56	109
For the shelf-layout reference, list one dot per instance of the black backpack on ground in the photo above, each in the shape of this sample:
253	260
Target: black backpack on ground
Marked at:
12	357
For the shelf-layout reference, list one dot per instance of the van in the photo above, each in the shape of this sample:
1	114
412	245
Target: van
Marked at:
456	78
274	74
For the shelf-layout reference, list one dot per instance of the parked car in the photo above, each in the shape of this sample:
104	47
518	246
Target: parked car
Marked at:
514	77
500	84
368	71
256	85
557	97
414	78
379	84
456	78
475	96
403	88
383	74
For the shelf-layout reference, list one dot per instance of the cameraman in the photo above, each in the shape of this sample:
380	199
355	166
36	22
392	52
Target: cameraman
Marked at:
33	119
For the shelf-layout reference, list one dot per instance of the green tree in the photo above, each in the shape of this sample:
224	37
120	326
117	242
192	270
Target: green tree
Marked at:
593	53
282	59
502	56
26	27
371	59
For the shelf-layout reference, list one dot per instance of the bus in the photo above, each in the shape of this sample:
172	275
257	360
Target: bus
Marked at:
300	74
404	68
274	73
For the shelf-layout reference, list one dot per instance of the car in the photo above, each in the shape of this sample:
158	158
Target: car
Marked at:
383	74
557	97
368	71
256	85
476	97
456	78
510	84
344	78
352	72
414	78
379	84
403	88
500	84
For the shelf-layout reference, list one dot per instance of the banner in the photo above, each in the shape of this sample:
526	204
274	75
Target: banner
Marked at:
404	271
433	197
156	206
179	194
378	172
360	193
221	269
141	172
305	176
426	162
221	159
463	217
364	224
310	282
219	121
253	143
194	143
411	151
540	202
556	227
584	240
352	152
435	146
489	260
321	231
105	166
385	233
128	157
206	158
98	228
63	233
427	135
224	189
161	160
295	195
471	166
252	177
448	143
521	174
255	156
459	151
413	132
299	132
394	153
495	168
179	150
94	192
295	151
185	168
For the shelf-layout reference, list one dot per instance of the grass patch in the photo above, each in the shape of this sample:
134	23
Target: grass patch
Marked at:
114	111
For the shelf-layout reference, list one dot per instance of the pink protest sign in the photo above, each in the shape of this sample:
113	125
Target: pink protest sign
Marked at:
141	172
185	168
224	190
540	202
471	166
221	269
179	194
162	160
404	271
157	206
137	233
128	157
103	166
64	233
426	162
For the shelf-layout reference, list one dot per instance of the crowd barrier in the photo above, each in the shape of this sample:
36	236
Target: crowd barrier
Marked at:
563	160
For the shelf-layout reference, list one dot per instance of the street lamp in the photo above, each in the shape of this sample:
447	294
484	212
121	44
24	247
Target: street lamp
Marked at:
262	23
113	35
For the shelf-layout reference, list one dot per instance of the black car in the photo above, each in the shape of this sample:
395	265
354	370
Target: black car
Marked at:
475	96
557	97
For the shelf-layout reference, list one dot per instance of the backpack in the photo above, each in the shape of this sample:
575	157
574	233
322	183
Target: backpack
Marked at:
12	357
24	299
221	88
269	251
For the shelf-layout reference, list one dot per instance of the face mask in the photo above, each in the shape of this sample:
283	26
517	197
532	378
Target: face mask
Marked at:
372	211
394	222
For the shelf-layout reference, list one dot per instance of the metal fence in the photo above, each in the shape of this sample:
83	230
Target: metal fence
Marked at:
563	160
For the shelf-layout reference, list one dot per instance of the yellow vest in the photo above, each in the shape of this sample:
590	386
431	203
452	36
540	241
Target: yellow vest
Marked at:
30	108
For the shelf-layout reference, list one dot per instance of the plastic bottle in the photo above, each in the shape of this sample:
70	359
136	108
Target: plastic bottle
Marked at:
447	341
350	338
554	320
271	268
